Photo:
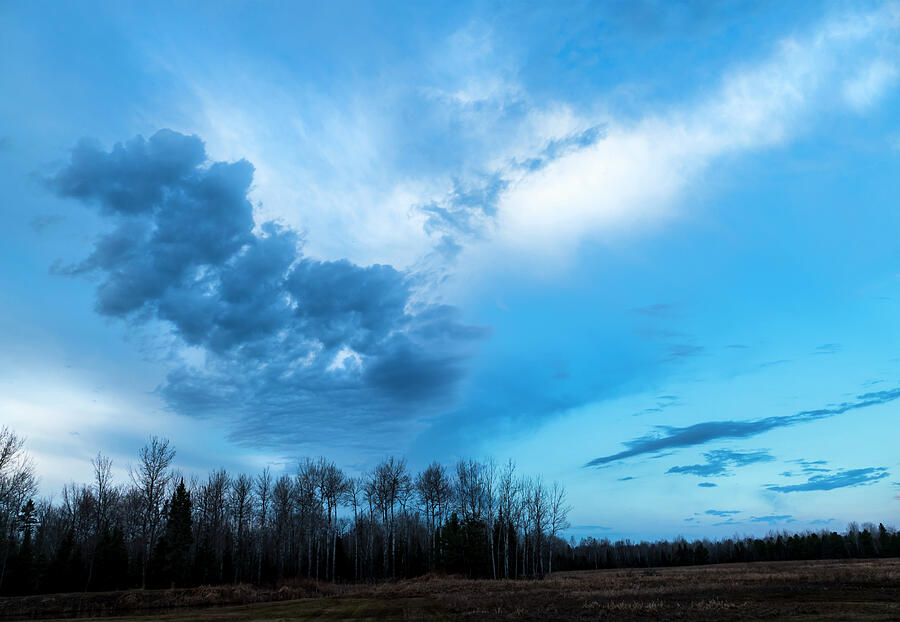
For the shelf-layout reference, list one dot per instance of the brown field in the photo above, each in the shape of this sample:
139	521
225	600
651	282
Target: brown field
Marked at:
800	591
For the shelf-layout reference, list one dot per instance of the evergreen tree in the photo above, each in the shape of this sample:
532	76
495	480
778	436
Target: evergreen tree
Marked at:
26	557
111	564
453	546
884	541
701	554
177	539
866	544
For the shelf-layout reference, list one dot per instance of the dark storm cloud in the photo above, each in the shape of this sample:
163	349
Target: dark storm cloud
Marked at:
296	348
841	479
719	462
669	437
135	176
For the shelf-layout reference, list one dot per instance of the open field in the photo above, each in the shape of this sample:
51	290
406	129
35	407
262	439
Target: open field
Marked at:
801	591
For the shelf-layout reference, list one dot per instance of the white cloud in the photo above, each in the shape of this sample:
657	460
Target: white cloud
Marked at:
66	427
326	154
319	169
637	175
345	359
864	90
467	70
324	159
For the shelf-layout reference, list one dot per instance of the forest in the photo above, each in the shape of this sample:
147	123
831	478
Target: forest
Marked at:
475	519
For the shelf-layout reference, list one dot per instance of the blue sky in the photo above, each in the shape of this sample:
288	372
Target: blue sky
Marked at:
647	249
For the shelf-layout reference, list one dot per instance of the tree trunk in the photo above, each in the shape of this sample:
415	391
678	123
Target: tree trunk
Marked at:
550	556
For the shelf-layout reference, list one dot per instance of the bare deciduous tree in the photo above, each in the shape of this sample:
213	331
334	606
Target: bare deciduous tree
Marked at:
150	478
559	518
18	483
263	493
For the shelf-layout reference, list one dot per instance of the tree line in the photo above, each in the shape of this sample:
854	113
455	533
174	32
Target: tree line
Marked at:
866	541
159	529
475	518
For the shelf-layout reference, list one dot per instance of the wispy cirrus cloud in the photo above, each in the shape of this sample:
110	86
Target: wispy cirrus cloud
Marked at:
670	437
808	467
590	528
387	162
640	169
773	518
765	364
722	513
842	479
657	310
681	351
729	521
720	461
863	90
828	348
662	403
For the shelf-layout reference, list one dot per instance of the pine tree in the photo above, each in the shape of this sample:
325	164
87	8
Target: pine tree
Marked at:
884	541
178	538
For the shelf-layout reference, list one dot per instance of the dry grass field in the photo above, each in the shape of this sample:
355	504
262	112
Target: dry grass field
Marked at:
800	591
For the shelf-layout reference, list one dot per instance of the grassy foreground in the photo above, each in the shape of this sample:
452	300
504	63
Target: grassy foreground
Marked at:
825	590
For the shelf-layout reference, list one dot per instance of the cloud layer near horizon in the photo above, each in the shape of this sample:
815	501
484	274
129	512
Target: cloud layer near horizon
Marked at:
705	432
294	349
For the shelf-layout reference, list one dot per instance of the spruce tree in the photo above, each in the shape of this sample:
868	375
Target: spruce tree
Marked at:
178	538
